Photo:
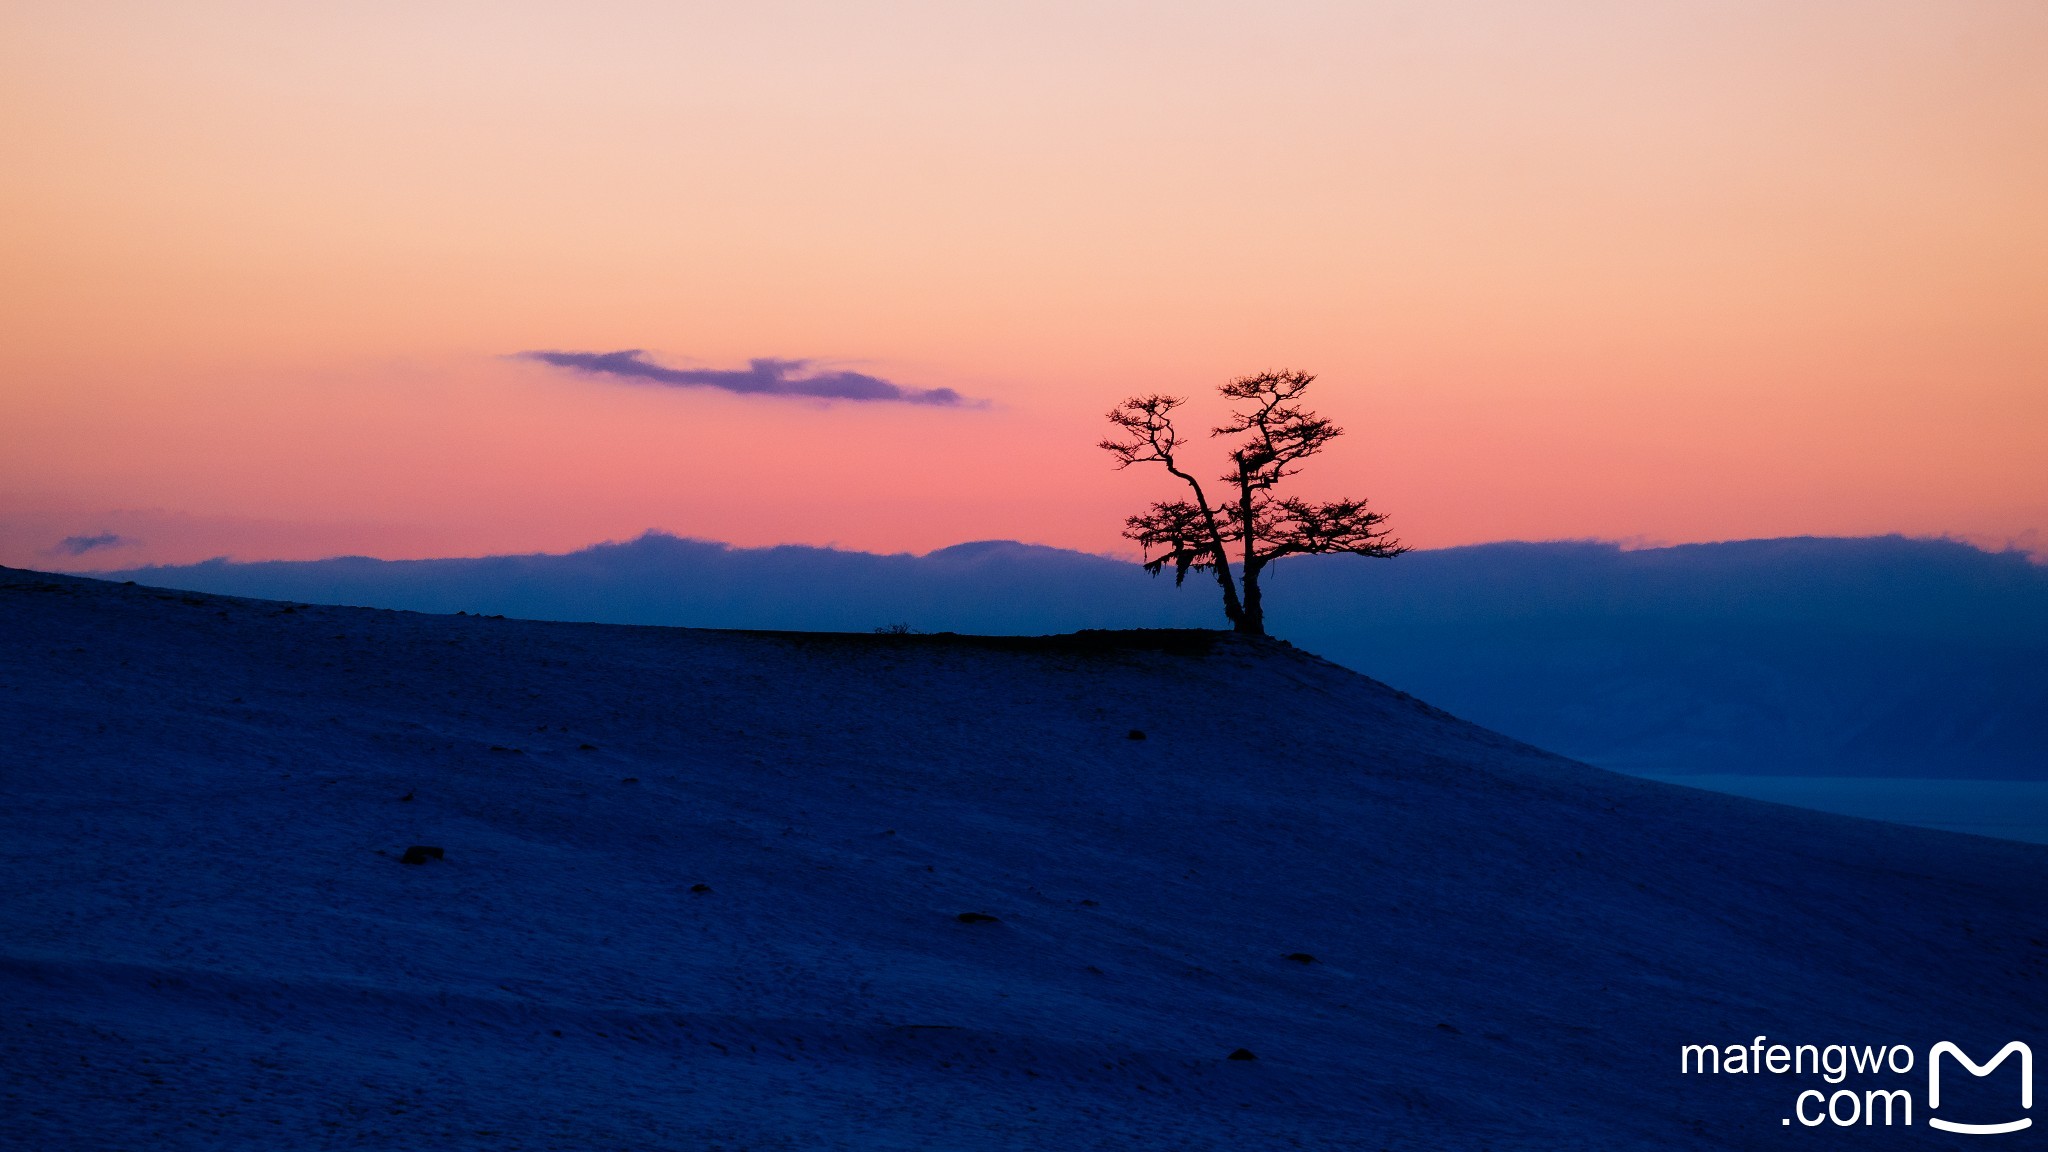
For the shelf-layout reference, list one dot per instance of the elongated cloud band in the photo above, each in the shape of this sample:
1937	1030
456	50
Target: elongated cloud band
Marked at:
80	545
767	377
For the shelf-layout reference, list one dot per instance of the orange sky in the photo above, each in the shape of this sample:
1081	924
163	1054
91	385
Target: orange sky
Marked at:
1658	272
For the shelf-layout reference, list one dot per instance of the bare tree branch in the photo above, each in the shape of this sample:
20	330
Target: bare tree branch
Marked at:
1183	531
1282	433
1149	420
1297	527
1194	536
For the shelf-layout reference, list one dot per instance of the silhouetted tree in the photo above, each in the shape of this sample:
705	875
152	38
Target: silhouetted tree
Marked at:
1274	435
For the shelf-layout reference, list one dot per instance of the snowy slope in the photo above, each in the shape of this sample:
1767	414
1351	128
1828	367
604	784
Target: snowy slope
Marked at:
207	940
1879	656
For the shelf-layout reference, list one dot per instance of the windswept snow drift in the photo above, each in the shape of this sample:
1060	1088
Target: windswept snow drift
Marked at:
207	939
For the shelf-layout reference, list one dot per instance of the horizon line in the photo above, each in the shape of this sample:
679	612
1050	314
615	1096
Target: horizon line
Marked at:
1627	544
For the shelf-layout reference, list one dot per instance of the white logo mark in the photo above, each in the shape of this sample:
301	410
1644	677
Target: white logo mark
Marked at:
1976	1069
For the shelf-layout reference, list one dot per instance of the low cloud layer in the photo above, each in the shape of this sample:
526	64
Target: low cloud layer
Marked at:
766	377
80	545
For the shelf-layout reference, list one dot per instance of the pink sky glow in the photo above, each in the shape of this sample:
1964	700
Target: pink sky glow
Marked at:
1667	272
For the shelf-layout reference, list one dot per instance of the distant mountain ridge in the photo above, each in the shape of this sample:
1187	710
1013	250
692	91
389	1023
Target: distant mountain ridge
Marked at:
1803	656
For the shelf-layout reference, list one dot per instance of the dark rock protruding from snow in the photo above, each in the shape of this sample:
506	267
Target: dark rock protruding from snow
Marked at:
421	853
977	918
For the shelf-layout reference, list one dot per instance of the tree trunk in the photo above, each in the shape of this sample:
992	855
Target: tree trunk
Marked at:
1252	617
1231	609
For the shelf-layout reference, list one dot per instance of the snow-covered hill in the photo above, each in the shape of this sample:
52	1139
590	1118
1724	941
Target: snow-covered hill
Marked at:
705	890
1880	656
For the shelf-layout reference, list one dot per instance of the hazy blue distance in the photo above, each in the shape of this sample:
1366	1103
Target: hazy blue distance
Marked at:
1806	657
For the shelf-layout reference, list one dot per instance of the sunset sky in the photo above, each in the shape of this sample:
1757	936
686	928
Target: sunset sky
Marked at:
276	280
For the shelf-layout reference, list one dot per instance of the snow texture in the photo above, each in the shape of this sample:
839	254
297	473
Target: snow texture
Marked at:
705	890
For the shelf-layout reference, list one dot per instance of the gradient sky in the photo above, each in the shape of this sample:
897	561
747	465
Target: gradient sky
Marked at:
1669	272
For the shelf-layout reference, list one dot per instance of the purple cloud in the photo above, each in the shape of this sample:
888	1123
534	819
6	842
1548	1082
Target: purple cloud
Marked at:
80	545
767	377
